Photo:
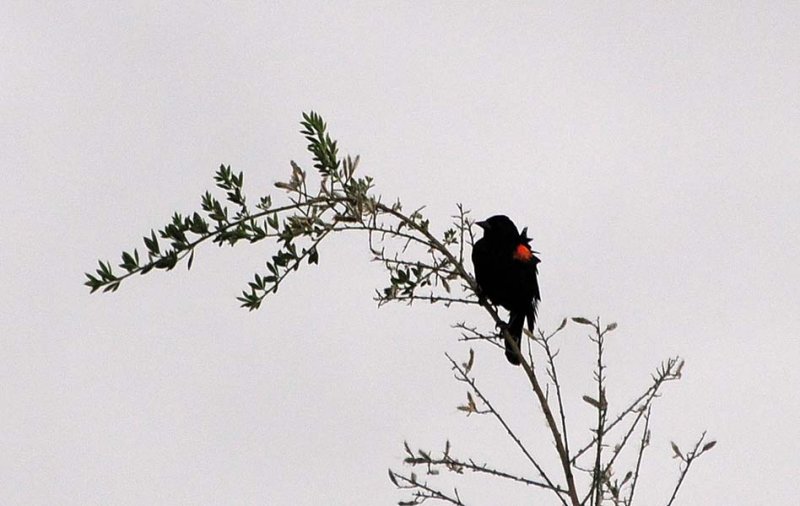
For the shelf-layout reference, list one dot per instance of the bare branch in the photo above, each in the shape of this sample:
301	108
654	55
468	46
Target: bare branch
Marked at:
422	491
668	371
643	443
687	460
458	466
462	375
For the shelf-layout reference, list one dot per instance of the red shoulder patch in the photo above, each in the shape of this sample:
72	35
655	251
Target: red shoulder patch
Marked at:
523	253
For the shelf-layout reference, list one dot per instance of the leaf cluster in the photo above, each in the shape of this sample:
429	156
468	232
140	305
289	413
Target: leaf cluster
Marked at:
341	201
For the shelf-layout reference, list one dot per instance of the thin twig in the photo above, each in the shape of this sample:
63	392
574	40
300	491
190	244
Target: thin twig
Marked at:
456	466
602	406
463	376
666	373
430	493
643	443
687	460
551	369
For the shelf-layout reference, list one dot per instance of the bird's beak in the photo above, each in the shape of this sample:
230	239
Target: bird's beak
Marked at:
482	224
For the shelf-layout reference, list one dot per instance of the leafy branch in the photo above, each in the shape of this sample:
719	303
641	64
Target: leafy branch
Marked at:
422	265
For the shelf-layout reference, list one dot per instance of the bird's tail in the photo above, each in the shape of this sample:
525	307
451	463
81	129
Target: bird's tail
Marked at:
530	315
515	322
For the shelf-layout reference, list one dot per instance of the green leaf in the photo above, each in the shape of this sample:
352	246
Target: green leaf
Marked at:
676	450
151	244
709	446
265	203
105	271
628	476
591	401
93	283
111	287
198	225
128	262
167	262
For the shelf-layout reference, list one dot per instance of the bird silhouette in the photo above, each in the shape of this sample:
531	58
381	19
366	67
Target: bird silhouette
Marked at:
506	271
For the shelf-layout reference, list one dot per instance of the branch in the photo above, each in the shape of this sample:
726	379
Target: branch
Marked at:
687	461
458	466
463	376
425	491
643	443
544	341
669	371
598	476
471	334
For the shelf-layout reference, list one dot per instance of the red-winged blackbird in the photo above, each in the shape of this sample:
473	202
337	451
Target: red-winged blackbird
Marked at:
506	273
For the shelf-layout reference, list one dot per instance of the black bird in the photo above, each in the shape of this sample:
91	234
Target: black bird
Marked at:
506	272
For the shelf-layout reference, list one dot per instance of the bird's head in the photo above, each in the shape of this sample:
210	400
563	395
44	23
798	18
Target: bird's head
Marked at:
499	227
501	230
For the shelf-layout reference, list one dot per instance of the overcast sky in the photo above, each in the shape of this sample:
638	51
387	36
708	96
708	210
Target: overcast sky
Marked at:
651	148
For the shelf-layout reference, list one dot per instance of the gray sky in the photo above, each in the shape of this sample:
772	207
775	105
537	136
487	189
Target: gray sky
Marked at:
651	149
